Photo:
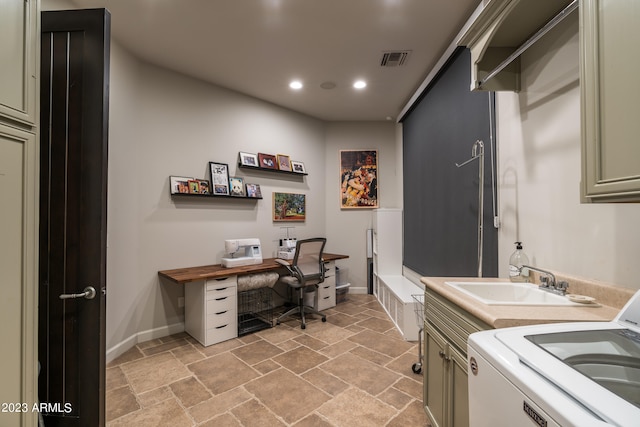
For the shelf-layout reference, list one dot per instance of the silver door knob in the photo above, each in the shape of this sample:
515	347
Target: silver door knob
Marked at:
89	293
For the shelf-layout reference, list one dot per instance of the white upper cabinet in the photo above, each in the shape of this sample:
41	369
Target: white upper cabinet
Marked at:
18	50
610	92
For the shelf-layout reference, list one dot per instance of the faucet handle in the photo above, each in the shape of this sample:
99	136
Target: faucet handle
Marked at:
562	286
544	281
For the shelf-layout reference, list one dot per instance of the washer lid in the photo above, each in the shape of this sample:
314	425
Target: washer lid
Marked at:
572	357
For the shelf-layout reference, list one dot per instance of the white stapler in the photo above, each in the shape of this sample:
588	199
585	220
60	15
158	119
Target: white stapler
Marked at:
242	252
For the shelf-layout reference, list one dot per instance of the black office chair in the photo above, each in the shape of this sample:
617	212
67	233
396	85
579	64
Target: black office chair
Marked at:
306	270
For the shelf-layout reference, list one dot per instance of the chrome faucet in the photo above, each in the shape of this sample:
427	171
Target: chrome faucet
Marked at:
548	282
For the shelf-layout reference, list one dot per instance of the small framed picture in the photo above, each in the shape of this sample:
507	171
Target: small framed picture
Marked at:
248	159
297	167
219	178
204	186
179	184
289	207
267	161
284	163
237	186
194	186
253	191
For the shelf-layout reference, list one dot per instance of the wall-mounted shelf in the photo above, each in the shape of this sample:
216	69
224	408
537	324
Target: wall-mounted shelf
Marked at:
276	171
211	196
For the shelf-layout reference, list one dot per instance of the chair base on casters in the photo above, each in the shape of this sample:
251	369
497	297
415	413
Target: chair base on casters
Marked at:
301	309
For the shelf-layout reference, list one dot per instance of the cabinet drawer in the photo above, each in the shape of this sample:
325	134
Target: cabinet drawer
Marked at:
218	284
326	301
222	292
221	333
449	319
222	318
221	303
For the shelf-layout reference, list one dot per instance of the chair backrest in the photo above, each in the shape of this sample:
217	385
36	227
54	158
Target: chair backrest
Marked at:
307	261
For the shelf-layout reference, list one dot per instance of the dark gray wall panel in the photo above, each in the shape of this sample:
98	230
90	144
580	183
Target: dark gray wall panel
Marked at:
441	200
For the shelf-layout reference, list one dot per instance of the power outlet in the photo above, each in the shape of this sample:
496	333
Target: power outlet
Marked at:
180	302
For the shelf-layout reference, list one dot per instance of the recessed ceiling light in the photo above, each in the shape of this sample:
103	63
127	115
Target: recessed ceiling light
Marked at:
360	84
296	84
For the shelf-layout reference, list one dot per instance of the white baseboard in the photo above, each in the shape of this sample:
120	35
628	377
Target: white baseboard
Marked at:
126	344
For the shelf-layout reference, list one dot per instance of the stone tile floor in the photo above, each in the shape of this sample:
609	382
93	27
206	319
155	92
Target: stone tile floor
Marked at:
353	370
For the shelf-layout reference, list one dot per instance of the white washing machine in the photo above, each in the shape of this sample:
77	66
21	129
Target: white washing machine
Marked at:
564	374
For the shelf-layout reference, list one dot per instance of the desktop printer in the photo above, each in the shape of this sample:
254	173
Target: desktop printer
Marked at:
242	252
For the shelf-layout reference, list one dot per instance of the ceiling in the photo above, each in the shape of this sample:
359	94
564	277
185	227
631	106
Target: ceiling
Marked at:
257	47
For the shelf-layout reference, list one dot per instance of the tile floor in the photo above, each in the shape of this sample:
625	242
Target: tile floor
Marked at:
353	370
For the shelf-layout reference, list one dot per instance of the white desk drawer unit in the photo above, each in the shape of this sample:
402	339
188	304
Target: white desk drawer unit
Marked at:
326	295
212	316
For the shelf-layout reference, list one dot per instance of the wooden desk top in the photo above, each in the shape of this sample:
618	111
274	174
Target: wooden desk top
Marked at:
193	274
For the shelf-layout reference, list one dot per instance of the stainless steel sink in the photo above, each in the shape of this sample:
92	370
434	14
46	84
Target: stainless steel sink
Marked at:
507	293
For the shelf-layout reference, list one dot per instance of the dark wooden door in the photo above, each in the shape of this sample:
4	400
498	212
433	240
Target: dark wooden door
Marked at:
73	216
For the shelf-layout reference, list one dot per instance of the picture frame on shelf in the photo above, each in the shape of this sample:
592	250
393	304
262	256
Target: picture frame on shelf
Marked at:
205	187
248	159
219	178
289	207
298	167
179	184
267	161
253	191
237	187
284	162
194	186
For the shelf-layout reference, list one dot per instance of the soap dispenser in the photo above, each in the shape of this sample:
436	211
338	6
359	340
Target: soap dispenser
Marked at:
516	261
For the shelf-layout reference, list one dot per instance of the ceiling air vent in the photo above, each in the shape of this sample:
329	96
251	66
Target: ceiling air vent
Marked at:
394	59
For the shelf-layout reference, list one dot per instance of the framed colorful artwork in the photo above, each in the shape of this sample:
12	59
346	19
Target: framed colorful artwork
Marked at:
267	161
289	207
253	191
358	179
284	163
179	184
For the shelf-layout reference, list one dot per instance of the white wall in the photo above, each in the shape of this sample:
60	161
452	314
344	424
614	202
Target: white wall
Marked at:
346	228
539	174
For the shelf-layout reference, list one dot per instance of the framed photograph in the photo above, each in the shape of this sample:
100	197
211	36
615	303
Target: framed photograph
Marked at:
298	167
253	191
358	179
179	184
284	163
237	186
248	159
219	178
194	186
267	161
289	207
204	186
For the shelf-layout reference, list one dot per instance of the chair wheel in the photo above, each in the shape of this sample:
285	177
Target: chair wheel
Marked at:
324	319
303	326
416	368
277	322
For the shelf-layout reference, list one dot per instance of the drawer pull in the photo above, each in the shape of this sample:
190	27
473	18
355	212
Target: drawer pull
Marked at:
221	289
221	312
326	297
221	298
223	326
222	278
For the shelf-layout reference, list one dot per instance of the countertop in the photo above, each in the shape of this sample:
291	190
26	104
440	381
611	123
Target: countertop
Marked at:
193	274
502	316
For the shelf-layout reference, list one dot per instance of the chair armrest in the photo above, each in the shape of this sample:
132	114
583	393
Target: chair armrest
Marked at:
286	264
